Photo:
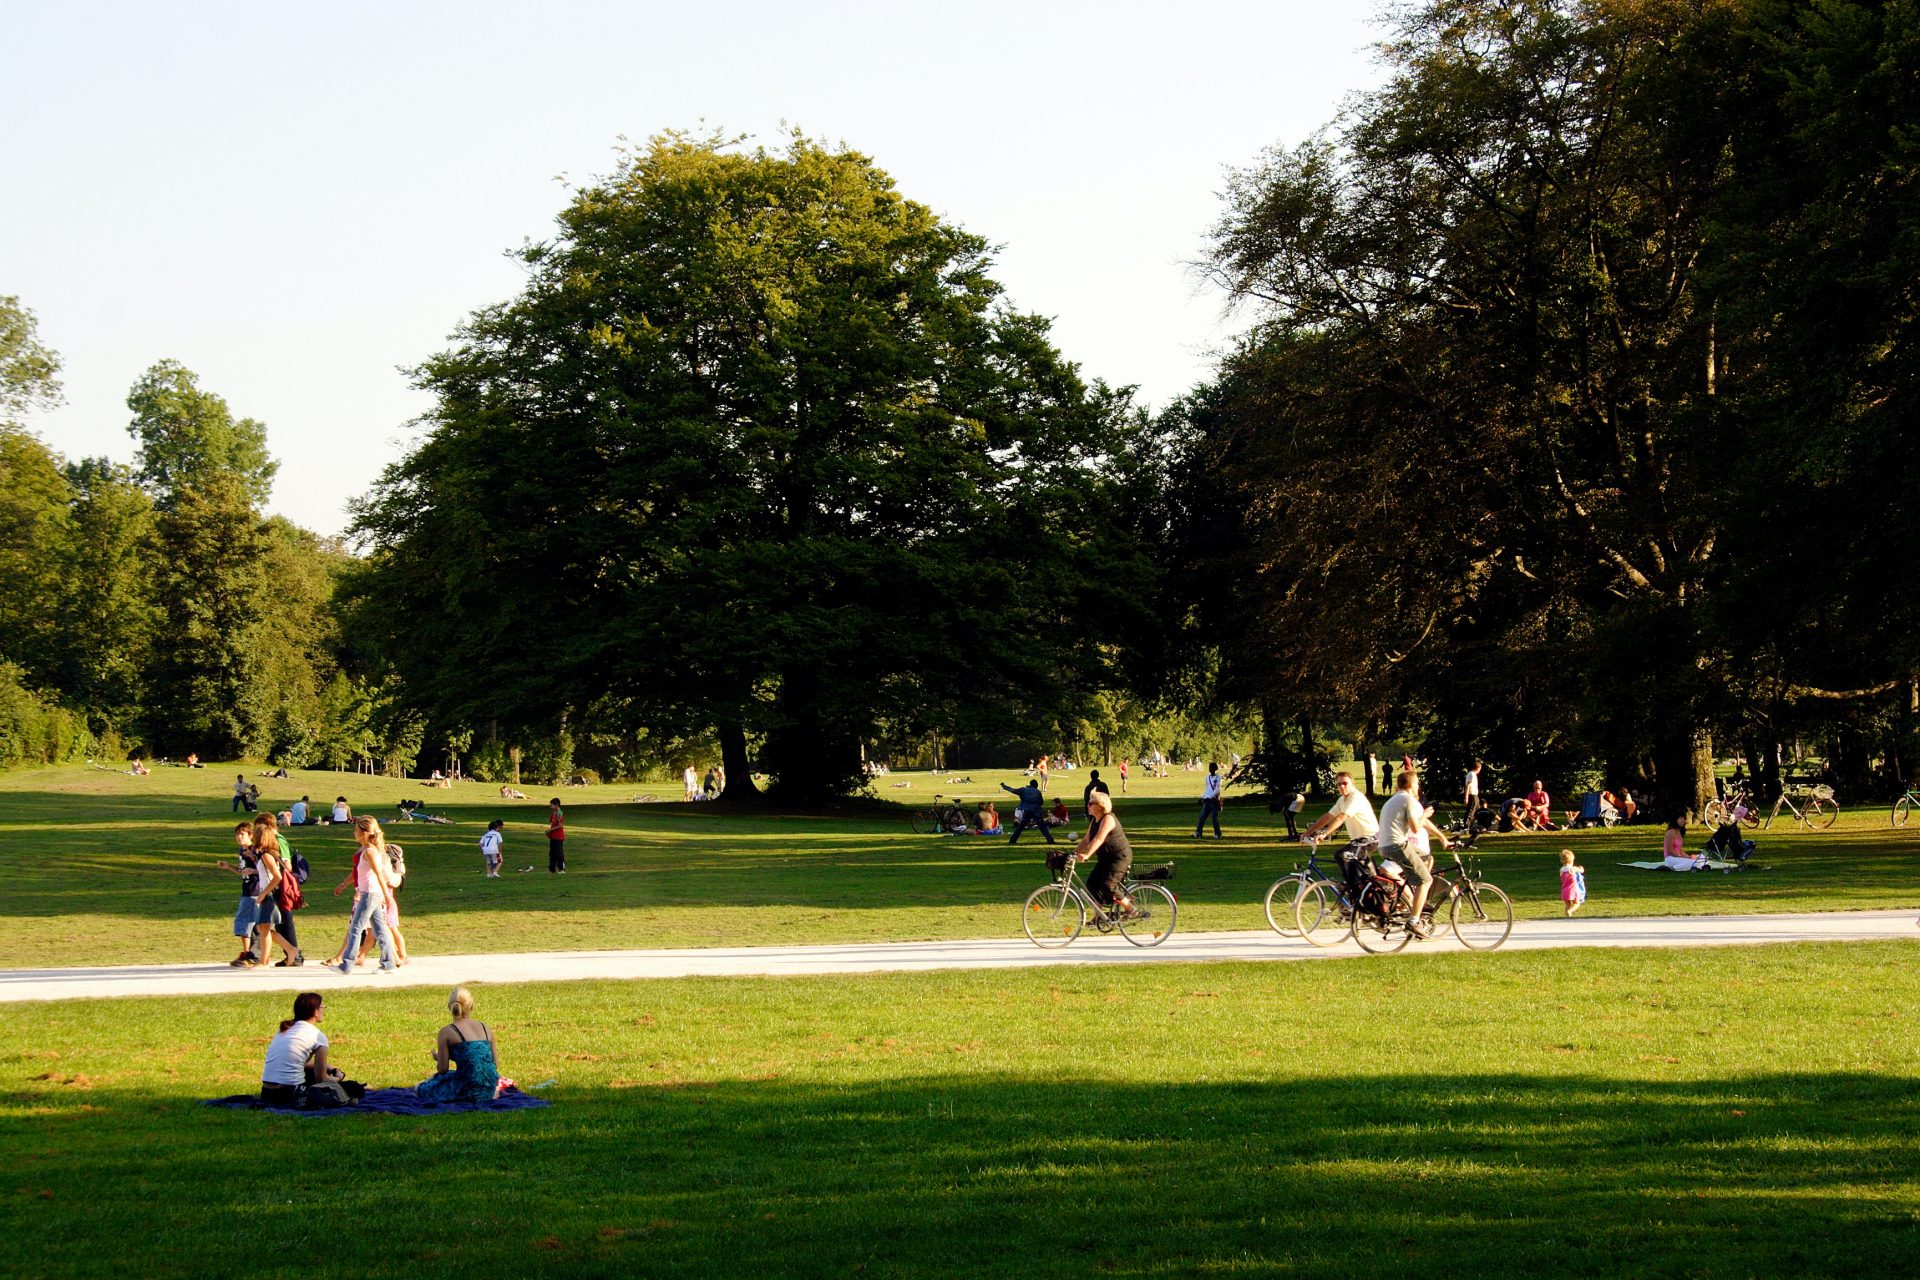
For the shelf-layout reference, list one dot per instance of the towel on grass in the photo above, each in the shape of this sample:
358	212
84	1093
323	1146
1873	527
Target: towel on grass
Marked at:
393	1102
1713	864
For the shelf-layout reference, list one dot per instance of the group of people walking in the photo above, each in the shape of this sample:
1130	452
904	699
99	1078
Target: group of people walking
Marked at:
271	876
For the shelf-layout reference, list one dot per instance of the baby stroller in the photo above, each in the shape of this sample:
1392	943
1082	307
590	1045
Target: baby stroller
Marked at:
414	811
1729	845
1596	812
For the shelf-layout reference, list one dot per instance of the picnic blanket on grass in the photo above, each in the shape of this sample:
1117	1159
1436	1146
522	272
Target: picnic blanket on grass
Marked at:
1713	864
393	1102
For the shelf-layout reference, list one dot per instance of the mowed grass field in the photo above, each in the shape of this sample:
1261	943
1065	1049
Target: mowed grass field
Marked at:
102	868
1746	1112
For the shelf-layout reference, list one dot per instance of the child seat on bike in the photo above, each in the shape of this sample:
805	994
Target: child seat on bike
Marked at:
1356	866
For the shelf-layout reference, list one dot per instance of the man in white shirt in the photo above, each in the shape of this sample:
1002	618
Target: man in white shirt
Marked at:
1404	828
1472	792
1351	808
1210	802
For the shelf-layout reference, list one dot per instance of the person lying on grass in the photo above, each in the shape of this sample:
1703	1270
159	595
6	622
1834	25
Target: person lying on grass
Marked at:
469	1067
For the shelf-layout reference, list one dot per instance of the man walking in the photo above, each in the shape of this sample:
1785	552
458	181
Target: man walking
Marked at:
1210	802
1086	793
1472	793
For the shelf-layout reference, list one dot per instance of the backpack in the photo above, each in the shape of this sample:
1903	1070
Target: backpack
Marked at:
397	859
288	891
297	863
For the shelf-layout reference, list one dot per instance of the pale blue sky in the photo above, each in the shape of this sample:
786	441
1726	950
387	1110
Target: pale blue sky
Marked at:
298	202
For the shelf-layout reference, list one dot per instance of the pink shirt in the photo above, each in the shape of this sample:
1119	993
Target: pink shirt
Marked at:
1676	846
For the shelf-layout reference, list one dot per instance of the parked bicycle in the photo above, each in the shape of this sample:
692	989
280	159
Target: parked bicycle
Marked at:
1480	914
942	816
1738	805
1816	811
1904	806
1055	914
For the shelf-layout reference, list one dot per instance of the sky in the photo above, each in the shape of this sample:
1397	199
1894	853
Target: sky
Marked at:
299	204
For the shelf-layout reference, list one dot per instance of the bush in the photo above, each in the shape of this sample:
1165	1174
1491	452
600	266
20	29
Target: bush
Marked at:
34	729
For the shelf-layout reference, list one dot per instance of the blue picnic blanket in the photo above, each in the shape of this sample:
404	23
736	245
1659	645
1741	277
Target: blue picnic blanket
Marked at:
393	1102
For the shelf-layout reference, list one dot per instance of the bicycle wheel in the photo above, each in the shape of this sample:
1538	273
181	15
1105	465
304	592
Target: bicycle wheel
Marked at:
1750	817
1901	808
1715	813
1053	917
1281	895
1482	917
924	821
956	820
1320	916
1154	911
1380	934
1822	814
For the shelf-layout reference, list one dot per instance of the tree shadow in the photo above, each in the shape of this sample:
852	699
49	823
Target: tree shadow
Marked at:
988	1174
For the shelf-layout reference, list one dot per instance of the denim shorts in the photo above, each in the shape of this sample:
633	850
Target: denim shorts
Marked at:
245	916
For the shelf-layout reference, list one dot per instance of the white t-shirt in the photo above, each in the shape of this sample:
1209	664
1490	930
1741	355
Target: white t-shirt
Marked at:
287	1055
1473	782
1211	791
1358	811
363	871
341	813
490	846
1400	817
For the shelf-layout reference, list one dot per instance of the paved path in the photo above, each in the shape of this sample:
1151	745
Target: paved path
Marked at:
897	957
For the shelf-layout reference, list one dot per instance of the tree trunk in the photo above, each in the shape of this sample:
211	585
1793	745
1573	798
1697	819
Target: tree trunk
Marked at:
737	767
1683	773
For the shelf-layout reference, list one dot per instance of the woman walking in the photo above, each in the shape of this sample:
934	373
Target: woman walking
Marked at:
372	896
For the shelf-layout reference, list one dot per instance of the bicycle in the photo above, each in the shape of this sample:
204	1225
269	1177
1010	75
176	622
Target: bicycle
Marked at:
1903	806
946	817
1740	804
1480	914
1056	913
1320	908
1821	811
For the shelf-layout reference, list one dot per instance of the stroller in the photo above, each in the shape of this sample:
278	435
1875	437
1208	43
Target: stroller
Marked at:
414	811
1596	812
1728	844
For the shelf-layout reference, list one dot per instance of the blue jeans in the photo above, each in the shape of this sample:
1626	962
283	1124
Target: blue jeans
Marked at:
367	913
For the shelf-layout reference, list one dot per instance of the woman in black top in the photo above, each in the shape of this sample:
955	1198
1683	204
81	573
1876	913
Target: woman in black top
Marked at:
1108	842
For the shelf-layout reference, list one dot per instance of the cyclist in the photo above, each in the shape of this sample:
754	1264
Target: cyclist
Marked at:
1105	839
1352	808
1404	828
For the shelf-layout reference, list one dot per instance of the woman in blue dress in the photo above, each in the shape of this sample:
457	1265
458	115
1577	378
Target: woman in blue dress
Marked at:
464	1050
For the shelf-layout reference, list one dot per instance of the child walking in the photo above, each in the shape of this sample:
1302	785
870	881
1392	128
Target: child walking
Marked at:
490	847
1573	882
557	837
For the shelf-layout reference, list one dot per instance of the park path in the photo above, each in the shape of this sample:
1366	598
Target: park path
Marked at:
909	957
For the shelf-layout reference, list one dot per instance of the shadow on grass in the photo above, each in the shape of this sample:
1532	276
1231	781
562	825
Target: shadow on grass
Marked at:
981	1175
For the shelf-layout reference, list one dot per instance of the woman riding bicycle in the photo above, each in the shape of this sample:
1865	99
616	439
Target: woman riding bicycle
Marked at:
1105	840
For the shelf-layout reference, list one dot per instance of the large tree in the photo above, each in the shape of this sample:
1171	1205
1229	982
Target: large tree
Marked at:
189	437
1496	431
759	448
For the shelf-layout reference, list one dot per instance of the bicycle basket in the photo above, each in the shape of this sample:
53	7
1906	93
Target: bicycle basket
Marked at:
1162	872
1057	860
1822	791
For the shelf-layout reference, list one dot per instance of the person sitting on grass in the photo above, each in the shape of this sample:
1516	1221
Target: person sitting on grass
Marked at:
1108	842
1059	816
469	1069
1540	807
139	770
989	821
510	793
297	1057
300	813
1674	851
342	811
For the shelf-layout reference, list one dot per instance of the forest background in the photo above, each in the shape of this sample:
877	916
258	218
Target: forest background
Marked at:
1573	431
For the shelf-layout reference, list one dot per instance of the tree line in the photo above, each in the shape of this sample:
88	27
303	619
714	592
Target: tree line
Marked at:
1571	432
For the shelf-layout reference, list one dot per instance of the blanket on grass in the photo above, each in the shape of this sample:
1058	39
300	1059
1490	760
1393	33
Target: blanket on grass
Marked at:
1713	864
393	1102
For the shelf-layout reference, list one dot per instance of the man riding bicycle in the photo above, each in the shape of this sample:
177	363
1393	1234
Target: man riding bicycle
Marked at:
1351	808
1404	829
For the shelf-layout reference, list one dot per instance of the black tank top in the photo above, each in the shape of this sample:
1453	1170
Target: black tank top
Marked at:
1115	847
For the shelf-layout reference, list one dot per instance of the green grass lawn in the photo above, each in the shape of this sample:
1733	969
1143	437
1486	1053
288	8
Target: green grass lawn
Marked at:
1723	1113
103	868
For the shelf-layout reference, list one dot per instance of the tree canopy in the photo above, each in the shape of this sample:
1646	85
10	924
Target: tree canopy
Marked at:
760	447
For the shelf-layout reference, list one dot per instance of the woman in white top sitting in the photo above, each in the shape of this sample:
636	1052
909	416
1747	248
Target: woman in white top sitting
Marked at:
342	811
298	1055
